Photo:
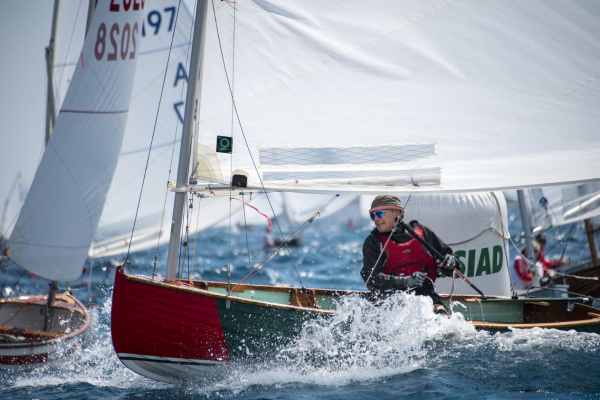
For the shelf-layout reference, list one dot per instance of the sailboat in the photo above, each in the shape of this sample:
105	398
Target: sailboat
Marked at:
423	98
58	220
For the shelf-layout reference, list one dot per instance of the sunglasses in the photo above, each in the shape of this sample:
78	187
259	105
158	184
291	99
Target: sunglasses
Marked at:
378	213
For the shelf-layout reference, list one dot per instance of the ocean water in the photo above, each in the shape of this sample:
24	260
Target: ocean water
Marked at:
400	350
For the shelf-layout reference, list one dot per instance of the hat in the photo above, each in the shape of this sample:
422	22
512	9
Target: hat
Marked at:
386	202
541	238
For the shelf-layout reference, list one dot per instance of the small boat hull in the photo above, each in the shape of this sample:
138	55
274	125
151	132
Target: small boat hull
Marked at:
171	331
30	335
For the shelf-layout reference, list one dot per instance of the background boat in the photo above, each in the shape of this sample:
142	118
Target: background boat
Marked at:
58	220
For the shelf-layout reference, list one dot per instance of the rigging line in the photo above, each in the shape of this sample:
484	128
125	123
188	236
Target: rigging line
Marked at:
246	229
275	251
567	242
504	236
231	157
186	241
591	278
195	237
162	219
153	131
67	53
248	146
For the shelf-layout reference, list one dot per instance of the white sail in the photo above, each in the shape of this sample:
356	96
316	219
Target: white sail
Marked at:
70	34
162	24
60	215
422	96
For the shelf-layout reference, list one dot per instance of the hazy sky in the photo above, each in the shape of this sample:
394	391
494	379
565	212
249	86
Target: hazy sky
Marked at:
24	33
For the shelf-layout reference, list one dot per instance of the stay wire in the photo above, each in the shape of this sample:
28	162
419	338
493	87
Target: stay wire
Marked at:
248	146
66	53
246	230
275	252
153	132
195	238
162	220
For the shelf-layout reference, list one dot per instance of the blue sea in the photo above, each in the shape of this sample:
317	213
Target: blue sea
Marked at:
398	352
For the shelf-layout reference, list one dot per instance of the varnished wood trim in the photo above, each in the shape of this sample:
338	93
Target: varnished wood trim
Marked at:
148	280
61	337
594	315
569	324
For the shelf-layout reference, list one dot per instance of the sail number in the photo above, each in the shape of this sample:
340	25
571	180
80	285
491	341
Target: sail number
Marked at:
127	36
115	7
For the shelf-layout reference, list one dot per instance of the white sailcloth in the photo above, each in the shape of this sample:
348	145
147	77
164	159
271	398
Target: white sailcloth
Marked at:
60	215
70	35
163	24
416	96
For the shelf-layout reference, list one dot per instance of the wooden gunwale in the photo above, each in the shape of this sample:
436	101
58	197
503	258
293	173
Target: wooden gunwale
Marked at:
62	301
567	324
45	342
174	286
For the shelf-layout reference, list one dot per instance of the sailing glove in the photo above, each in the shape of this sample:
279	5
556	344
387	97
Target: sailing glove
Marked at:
449	264
406	282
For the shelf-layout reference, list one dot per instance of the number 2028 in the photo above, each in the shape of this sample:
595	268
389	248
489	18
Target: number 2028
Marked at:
127	35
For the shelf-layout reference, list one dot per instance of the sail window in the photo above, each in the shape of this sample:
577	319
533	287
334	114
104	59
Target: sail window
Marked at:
346	155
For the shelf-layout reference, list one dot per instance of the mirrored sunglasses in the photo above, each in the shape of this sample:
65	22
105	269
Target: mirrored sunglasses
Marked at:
378	213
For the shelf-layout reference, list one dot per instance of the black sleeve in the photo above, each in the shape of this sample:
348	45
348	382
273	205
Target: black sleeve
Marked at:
378	281
433	239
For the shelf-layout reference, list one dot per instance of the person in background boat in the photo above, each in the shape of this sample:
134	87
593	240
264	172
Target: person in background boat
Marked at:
547	266
520	273
267	239
404	264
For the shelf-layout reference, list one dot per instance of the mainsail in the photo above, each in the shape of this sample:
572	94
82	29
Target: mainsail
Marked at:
60	215
419	96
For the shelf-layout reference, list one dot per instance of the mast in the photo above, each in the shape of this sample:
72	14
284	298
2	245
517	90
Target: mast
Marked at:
590	230
50	110
535	280
194	87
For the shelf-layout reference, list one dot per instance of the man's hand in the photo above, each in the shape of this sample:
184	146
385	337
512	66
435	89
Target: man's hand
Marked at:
417	279
449	264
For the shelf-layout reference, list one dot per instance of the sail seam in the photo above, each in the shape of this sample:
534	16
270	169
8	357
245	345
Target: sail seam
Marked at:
94	112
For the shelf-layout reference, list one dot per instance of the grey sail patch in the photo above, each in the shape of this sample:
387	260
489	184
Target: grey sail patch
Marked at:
410	178
344	155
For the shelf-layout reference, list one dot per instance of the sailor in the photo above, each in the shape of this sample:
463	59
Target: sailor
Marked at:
520	273
267	239
404	264
547	265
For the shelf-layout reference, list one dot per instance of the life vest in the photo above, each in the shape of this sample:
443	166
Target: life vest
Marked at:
407	258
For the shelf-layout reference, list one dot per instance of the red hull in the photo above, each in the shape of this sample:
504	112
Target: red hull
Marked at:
148	320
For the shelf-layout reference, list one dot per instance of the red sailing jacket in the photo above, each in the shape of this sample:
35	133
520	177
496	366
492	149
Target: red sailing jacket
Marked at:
407	258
